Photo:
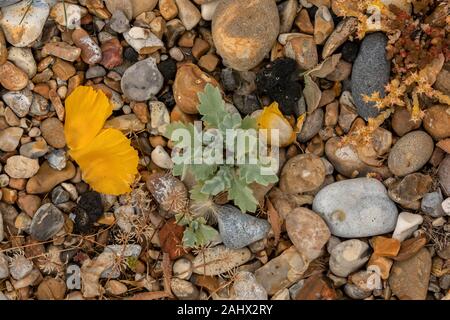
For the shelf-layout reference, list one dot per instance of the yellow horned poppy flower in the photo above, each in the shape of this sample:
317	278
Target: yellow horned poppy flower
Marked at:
108	162
271	118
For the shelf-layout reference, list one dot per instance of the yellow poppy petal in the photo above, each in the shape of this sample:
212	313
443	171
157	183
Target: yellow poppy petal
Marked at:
86	113
271	118
109	163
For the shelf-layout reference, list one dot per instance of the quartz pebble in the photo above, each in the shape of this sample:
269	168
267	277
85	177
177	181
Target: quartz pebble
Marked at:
407	223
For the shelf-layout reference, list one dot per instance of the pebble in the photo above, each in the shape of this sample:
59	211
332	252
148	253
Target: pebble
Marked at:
184	290
12	78
408	191
68	14
59	195
402	123
182	269
143	40
20	167
407	223
22	31
431	204
161	158
444	175
142	80
20	267
57	159
168	9
95	72
446	206
238	229
159	116
39	106
340	34
323	25
2	233
303	49
348	256
61	50
189	81
188	13
119	22
410	153
10	138
90	51
51	289
53	132
282	271
125	6
302	173
311	126
409	279
437	121
115	287
308	232
4	270
23	58
34	150
246	287
241	36
47	221
112	53
129	250
356	208
208	9
288	11
370	73
220	259
47	178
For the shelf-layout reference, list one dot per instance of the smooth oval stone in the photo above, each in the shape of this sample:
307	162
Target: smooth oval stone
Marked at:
370	73
142	80
245	31
410	153
238	229
356	208
47	221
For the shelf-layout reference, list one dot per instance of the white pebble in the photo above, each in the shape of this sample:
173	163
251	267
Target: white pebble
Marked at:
161	158
182	269
407	223
446	206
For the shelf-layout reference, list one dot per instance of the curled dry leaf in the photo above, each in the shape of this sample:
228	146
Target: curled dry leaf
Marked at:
312	93
325	67
276	221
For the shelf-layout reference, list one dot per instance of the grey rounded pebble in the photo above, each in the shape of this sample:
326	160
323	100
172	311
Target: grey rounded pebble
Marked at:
348	256
370	73
142	80
356	293
444	175
95	71
431	204
59	195
238	229
47	221
19	101
357	207
410	153
311	126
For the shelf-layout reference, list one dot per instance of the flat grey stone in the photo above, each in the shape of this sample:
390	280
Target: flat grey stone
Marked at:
238	229
47	221
356	208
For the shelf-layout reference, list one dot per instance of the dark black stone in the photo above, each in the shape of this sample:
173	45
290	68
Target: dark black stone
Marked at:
130	54
89	209
280	81
168	99
168	69
350	51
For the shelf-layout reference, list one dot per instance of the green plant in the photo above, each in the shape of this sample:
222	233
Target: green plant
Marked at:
214	177
197	233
